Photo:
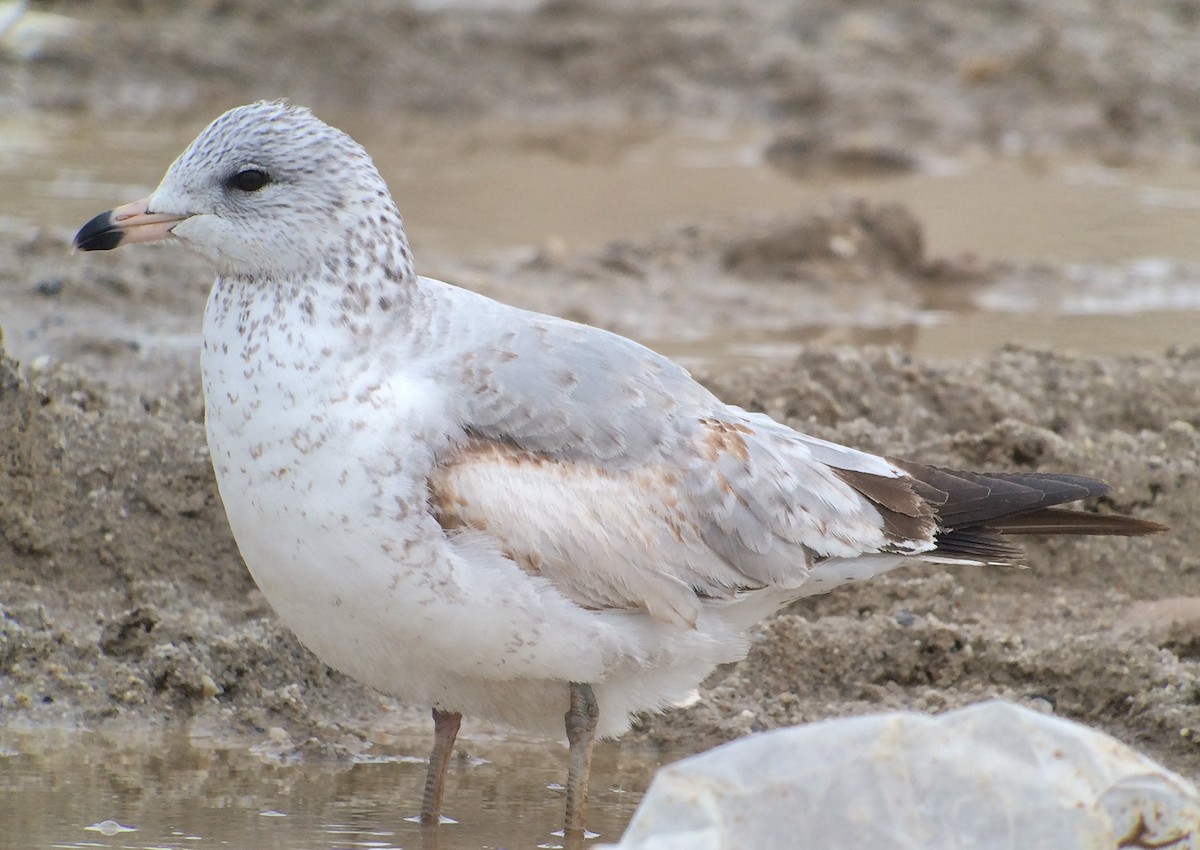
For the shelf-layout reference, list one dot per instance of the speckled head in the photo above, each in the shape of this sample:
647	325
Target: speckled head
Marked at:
266	191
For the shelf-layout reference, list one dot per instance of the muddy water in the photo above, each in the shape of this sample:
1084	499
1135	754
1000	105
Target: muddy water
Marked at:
66	790
475	192
471	190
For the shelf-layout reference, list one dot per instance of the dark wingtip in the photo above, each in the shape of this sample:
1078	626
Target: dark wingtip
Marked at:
99	234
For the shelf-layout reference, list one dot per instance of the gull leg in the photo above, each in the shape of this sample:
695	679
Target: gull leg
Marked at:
581	720
445	730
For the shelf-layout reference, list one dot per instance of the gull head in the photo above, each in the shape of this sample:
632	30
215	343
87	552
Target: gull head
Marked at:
267	190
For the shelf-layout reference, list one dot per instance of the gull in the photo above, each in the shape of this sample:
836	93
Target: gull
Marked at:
499	513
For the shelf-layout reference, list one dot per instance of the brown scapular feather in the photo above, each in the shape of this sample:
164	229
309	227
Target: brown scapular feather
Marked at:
906	513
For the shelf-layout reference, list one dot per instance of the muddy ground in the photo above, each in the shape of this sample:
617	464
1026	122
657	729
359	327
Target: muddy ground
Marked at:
122	596
871	84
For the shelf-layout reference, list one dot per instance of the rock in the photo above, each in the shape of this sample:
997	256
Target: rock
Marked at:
994	775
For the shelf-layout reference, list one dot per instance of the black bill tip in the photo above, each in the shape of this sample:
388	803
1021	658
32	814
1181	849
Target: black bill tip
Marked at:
99	234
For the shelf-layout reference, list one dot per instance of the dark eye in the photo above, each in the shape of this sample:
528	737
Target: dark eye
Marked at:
249	180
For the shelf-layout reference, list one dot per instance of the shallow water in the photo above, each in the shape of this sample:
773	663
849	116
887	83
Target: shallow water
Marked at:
474	192
79	789
470	190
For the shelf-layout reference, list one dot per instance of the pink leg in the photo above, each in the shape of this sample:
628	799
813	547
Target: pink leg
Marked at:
581	720
445	730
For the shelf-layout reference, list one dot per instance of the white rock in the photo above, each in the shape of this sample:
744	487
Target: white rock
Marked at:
994	775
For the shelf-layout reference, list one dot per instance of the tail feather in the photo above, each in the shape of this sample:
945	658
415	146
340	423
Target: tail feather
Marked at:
976	546
974	510
1060	521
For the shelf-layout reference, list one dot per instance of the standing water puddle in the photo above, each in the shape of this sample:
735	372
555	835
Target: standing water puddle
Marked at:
474	191
79	789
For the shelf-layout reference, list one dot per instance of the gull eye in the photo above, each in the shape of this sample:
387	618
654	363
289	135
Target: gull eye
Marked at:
249	180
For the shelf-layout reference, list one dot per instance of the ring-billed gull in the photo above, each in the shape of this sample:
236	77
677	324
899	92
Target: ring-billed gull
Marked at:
495	512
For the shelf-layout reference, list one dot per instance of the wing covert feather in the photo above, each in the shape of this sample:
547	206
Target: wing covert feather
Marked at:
646	490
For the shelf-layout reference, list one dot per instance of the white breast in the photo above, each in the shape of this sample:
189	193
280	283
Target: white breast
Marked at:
320	464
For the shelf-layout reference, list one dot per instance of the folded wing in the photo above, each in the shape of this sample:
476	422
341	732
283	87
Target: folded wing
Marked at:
604	467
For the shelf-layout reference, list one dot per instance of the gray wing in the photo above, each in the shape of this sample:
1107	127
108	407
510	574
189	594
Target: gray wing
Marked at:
605	467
